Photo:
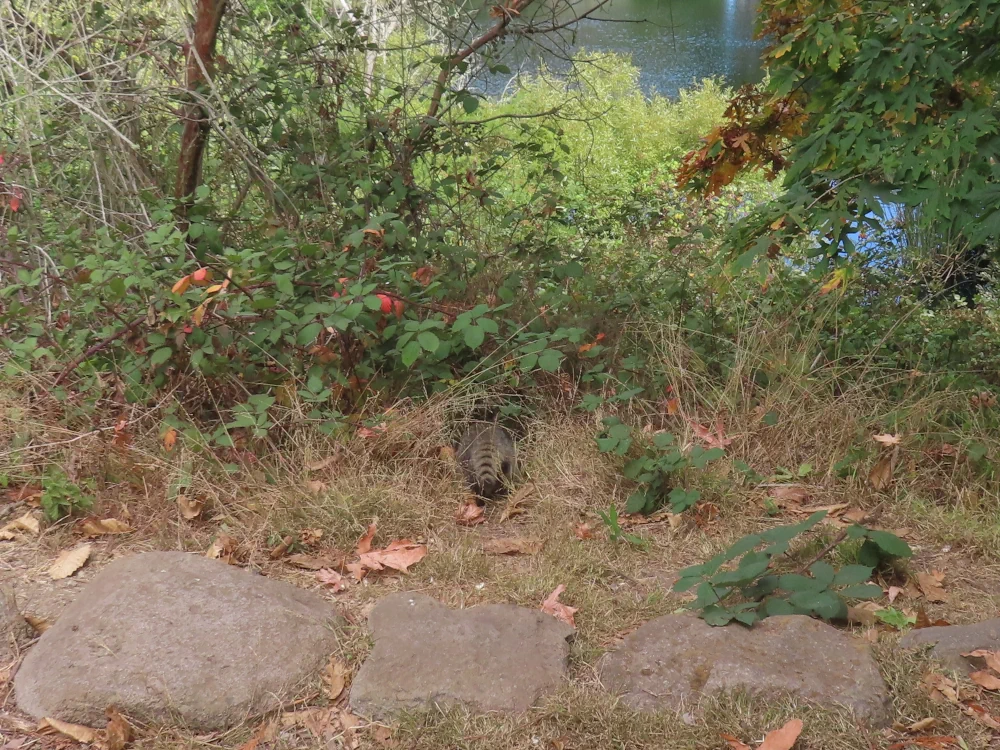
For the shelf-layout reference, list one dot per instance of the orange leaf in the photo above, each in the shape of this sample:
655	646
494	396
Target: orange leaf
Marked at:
784	738
399	555
734	743
199	314
985	679
365	542
583	531
469	514
15	203
331	578
716	440
552	606
169	439
182	285
202	276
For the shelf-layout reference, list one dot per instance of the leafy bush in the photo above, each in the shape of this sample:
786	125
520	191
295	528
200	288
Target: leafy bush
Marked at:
753	590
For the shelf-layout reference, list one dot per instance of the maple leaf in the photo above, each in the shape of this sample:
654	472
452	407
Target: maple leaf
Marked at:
365	542
332	578
715	439
552	606
399	555
784	738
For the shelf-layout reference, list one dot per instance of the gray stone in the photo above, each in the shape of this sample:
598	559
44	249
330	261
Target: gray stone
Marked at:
951	641
494	657
170	637
672	661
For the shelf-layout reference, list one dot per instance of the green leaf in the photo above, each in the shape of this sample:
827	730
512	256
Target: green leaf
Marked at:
372	302
775	606
428	341
308	334
470	104
637	501
474	336
890	543
800	583
160	356
411	353
549	360
862	591
822	571
850	574
683	584
284	284
716	616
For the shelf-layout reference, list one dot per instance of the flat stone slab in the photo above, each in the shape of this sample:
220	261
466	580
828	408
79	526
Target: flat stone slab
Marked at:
494	657
672	661
951	641
169	637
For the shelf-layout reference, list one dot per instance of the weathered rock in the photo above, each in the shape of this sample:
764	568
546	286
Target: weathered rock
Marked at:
495	657
167	636
951	641
673	660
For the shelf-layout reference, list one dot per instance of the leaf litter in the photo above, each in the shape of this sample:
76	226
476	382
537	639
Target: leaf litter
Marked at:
552	606
69	562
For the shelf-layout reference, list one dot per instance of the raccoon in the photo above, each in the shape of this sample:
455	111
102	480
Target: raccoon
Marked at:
486	454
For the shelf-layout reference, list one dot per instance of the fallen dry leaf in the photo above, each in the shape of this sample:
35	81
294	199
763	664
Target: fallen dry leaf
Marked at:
791	494
365	542
986	679
40	624
516	503
310	537
512	546
333	579
881	474
351	725
327	558
717	439
923	621
100	526
980	714
930	585
992	658
316	487
784	738
469	513
77	732
855	515
319	721
399	555
223	548
921	726
266	732
119	732
893	592
887	439
69	562
169	439
940	742
941	689
190	507
552	606
734	743
383	735
583	531
324	463
281	548
26	523
335	678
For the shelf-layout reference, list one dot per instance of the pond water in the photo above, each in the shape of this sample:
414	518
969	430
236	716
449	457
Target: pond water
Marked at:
674	43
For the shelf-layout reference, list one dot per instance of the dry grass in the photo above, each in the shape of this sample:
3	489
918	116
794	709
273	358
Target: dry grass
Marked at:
401	480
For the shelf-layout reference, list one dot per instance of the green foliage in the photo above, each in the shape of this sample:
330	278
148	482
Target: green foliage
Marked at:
62	497
754	588
882	103
615	532
654	469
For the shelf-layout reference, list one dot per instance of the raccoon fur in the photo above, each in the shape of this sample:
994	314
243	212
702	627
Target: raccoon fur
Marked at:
486	454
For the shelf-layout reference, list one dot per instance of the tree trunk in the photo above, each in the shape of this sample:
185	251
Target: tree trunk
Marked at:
200	65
